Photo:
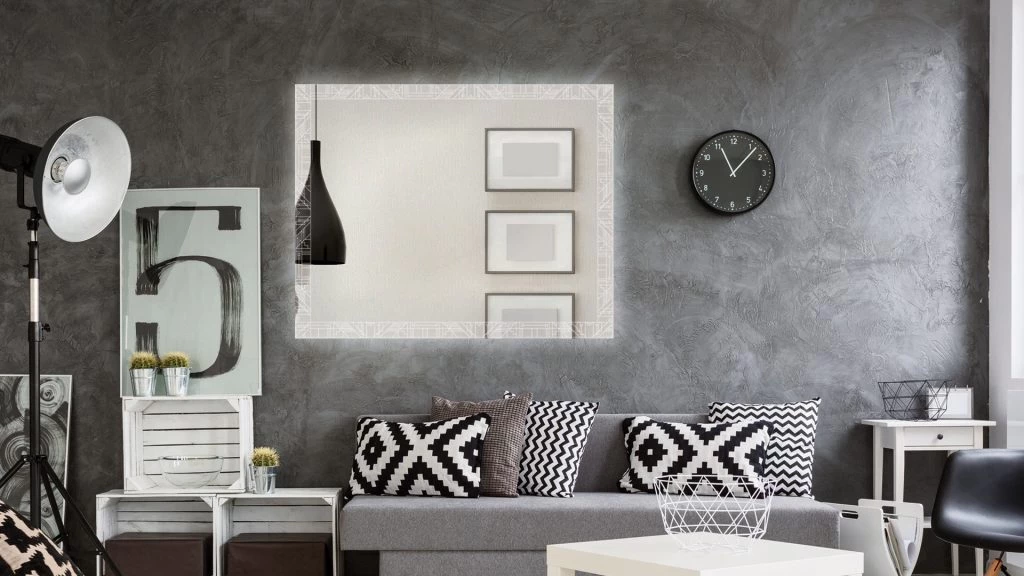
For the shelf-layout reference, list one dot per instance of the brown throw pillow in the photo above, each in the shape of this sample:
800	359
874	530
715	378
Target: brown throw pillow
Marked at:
503	445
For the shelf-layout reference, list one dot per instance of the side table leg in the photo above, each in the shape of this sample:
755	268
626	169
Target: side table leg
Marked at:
898	471
559	571
879	461
979	561
955	554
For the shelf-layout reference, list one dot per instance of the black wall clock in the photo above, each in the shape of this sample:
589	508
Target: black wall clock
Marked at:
733	172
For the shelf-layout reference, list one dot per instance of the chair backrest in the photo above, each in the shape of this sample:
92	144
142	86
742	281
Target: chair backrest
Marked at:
980	501
604	458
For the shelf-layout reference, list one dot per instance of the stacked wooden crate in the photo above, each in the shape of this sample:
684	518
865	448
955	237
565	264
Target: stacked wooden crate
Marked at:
154	427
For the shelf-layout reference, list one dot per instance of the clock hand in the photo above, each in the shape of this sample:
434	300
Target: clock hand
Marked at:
727	163
749	154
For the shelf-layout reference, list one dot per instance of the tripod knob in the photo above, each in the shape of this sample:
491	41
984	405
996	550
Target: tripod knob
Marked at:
46	327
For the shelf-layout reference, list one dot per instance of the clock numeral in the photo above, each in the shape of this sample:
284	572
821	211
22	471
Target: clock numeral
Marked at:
760	157
760	188
764	172
748	199
701	172
707	156
732	204
705	187
716	199
733	141
718	146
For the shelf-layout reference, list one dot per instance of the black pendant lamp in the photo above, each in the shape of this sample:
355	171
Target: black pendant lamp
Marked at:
326	236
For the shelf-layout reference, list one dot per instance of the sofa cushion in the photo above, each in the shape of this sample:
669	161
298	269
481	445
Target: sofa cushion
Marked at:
533	522
503	446
556	435
439	458
708	458
790	459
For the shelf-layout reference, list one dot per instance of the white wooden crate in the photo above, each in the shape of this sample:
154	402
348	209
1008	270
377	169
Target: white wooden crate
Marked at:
118	512
288	510
197	425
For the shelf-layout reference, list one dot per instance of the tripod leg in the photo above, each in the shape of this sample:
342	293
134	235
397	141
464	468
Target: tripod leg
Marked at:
100	549
62	532
14	470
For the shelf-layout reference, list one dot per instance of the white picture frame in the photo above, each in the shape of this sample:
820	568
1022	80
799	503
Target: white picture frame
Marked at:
530	159
530	241
324	105
529	315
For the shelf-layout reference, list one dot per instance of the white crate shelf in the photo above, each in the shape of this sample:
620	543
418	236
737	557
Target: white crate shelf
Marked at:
224	515
288	510
118	513
193	425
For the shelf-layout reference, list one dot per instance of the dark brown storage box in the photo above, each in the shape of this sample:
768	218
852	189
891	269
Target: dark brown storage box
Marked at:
277	554
162	554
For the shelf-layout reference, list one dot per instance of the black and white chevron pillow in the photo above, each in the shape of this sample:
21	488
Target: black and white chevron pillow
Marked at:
556	435
790	459
716	452
440	458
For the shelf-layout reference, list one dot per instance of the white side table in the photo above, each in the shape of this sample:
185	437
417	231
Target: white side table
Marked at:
902	436
663	556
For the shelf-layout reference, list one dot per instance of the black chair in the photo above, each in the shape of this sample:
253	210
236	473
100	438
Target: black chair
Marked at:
980	502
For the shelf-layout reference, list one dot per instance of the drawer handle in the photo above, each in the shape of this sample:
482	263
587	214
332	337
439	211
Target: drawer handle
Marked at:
941	436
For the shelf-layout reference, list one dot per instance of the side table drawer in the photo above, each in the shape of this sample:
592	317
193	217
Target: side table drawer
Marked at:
939	436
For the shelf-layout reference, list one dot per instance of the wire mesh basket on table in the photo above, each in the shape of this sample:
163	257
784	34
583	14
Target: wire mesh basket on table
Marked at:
701	511
915	399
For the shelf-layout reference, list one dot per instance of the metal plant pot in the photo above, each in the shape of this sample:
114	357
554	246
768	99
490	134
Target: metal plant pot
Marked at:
176	380
143	381
264	479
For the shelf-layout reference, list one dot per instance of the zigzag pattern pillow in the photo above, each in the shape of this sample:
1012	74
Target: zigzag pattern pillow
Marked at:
790	460
439	458
556	435
25	551
711	451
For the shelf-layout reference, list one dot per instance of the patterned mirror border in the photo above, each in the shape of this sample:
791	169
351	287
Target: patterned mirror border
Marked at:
603	97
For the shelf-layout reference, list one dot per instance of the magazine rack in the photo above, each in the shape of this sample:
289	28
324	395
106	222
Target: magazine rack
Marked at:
864	528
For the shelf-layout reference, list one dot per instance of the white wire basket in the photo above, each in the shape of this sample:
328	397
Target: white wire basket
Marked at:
715	512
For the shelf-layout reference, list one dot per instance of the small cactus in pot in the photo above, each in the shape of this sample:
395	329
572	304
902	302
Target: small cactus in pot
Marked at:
142	368
177	369
263	470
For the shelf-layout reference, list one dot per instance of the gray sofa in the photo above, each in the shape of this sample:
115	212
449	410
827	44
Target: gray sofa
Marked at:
411	536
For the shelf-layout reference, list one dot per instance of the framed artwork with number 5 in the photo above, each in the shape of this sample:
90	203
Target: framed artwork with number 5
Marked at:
190	282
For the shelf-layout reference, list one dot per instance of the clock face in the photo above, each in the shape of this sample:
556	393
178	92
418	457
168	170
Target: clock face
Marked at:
733	172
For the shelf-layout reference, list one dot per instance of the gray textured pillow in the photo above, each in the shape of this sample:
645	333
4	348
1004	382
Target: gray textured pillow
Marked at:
503	445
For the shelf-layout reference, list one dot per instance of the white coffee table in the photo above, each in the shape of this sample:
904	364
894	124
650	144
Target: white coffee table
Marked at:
662	556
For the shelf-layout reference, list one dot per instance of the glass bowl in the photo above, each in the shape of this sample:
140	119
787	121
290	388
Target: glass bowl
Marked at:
191	471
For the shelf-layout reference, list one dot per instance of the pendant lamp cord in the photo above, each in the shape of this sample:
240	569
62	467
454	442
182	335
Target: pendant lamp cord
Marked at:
316	111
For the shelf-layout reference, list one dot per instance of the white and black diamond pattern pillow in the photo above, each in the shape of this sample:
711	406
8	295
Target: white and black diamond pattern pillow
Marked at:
714	451
556	435
790	459
439	458
26	551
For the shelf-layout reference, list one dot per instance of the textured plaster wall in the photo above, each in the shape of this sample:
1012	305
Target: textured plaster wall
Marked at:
868	261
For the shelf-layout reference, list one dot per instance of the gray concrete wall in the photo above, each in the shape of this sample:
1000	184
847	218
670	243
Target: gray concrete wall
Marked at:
867	262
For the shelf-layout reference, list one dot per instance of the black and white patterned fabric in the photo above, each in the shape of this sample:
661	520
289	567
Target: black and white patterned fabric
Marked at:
26	551
439	458
790	460
716	452
556	435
